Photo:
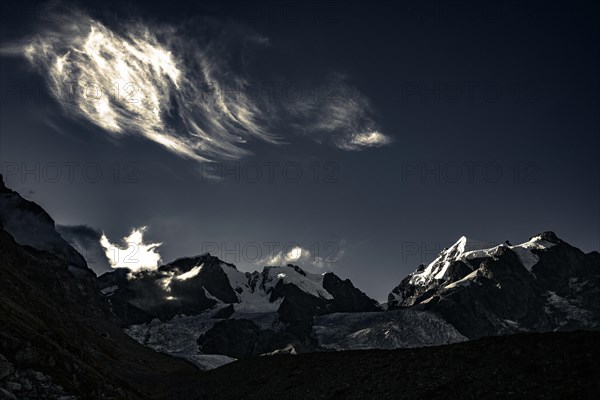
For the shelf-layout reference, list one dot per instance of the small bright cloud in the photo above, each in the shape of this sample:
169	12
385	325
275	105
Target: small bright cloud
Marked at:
298	255
369	139
133	254
293	255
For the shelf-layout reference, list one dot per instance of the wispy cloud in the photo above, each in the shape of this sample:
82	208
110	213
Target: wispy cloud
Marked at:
340	115
174	87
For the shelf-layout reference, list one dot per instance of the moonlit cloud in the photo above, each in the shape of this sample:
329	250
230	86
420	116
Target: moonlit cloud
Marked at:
294	255
369	139
301	256
181	90
133	254
129	82
341	116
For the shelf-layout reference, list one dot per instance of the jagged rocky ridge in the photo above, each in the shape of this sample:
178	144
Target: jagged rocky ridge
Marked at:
201	304
467	292
542	285
193	285
29	224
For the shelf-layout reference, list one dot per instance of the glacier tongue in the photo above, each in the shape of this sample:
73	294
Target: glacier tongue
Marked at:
384	330
178	336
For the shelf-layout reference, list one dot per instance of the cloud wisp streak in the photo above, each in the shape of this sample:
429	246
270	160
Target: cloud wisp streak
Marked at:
185	91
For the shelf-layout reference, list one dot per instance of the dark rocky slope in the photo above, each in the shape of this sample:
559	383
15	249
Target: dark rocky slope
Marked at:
58	324
29	224
523	366
58	336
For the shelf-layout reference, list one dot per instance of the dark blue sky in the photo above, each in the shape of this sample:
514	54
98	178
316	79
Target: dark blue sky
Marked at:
489	110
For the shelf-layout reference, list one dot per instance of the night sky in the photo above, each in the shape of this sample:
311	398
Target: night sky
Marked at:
369	135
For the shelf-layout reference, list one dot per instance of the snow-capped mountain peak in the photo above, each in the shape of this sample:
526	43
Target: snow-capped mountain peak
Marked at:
535	285
466	249
438	268
309	283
